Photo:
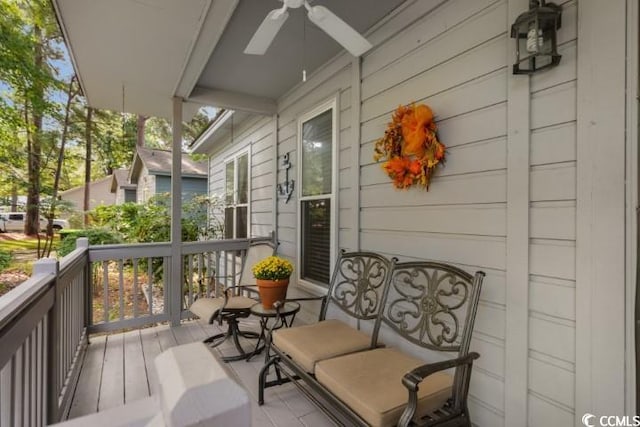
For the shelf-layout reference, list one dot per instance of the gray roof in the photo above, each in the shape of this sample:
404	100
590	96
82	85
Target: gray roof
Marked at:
159	162
121	180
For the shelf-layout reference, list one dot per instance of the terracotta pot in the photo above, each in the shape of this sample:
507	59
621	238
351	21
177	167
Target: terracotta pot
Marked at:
272	291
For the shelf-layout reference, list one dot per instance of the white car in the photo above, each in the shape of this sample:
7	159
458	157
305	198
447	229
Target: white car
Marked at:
14	221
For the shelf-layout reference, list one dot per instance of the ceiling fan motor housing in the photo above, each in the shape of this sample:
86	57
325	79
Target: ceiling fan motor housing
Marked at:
294	4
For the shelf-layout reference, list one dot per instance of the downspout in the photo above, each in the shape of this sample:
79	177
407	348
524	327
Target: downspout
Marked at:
175	284
275	179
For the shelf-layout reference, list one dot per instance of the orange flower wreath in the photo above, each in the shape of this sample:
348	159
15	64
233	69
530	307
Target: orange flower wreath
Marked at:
410	147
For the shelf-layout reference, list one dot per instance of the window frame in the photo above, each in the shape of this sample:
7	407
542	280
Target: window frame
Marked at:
331	104
234	158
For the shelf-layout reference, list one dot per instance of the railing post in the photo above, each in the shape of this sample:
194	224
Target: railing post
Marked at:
175	282
51	266
83	243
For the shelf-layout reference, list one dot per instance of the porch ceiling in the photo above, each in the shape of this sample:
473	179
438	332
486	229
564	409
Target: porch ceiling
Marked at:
158	49
148	46
299	44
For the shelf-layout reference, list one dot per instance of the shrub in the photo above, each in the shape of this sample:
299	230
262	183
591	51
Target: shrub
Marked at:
96	236
5	259
151	221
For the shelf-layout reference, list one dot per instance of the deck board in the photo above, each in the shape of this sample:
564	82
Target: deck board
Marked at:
136	383
165	337
150	350
88	390
120	367
112	381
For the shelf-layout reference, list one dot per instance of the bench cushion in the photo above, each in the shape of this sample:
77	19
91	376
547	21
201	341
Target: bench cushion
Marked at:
308	344
207	308
370	383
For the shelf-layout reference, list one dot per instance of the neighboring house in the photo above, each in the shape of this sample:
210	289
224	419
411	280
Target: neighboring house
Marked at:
99	194
123	189
151	173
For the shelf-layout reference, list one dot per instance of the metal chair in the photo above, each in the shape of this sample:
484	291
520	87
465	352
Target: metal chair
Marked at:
234	304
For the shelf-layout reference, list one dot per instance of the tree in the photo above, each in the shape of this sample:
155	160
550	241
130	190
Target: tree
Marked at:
28	33
73	91
45	136
87	164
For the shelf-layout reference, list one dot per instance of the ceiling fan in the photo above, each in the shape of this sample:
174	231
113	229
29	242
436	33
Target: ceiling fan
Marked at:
328	21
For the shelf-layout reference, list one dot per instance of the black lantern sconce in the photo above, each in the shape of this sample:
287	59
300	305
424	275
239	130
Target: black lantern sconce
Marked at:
535	34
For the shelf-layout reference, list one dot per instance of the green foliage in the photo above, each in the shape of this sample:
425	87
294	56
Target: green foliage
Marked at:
121	219
96	236
5	259
151	221
76	220
33	94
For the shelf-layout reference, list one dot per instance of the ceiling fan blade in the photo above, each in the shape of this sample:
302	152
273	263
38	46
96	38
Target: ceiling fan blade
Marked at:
344	34
266	32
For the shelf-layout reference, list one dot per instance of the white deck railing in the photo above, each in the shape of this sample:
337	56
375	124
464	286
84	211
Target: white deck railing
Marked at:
45	322
42	340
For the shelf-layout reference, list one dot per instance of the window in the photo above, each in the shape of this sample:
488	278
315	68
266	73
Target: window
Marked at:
129	196
236	212
317	147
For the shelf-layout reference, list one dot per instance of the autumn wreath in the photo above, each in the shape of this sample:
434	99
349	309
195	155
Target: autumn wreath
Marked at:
410	147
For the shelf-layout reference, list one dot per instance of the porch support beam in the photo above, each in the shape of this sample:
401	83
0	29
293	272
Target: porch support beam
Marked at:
233	101
217	16
600	217
175	283
356	111
633	69
517	262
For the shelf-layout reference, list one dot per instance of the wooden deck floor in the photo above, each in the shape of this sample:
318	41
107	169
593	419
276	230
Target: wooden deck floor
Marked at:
118	368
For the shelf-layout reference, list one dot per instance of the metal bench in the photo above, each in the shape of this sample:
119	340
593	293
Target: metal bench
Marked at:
425	307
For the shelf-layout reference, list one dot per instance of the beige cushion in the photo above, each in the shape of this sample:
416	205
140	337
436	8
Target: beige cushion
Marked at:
207	308
370	383
309	344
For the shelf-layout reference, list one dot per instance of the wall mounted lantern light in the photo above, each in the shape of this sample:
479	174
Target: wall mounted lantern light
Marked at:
535	34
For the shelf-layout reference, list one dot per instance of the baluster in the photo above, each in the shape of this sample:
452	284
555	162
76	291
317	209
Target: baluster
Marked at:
105	283
32	376
121	287
233	269
40	374
18	379
150	284
135	287
166	276
200	273
190	259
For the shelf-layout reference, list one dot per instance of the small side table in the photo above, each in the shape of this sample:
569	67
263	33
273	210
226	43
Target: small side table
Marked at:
287	315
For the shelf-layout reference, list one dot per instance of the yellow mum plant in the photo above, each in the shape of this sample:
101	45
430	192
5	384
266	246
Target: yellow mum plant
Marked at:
272	268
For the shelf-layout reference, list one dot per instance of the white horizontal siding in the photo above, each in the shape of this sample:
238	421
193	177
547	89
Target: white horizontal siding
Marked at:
453	59
552	231
258	133
454	55
333	80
